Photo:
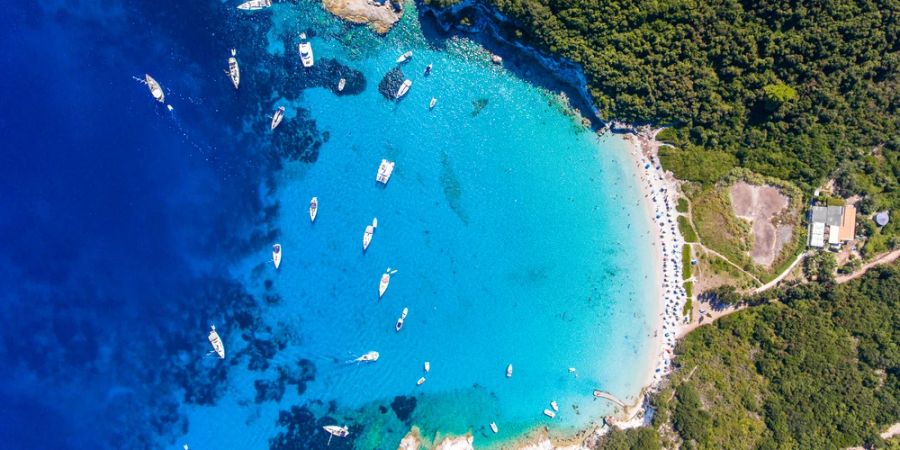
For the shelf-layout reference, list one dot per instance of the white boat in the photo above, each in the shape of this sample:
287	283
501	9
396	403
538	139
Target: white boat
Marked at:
509	371
383	285
367	235
277	117
384	171
155	88
404	57
216	342
432	103
428	69
554	405
254	5
401	319
404	88
341	84
335	430
549	413
571	370
427	366
276	255
494	427
368	357
313	209
420	382
234	72
306	51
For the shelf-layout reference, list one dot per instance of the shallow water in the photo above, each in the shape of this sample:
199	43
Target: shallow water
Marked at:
518	238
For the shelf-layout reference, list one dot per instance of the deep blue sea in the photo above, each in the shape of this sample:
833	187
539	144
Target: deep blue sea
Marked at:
127	230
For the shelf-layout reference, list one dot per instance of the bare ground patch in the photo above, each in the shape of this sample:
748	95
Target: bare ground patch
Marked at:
761	205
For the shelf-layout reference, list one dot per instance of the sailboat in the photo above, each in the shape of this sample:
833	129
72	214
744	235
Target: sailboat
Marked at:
276	255
234	72
277	118
334	430
216	341
401	319
385	279
404	88
155	88
368	357
313	208
367	235
254	5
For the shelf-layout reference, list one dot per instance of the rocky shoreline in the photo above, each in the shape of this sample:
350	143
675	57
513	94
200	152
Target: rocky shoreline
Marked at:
380	15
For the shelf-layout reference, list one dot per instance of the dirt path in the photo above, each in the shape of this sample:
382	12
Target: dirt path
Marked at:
705	248
781	276
883	259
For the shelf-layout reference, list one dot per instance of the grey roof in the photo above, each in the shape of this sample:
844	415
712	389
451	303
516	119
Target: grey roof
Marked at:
834	216
818	214
882	218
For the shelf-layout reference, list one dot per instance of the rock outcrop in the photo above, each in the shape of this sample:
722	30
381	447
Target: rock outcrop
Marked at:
380	15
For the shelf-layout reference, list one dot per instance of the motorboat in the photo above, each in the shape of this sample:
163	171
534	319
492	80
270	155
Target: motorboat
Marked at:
155	88
549	413
276	255
428	69
509	371
234	72
216	341
278	117
420	382
404	88
427	366
401	319
306	51
554	405
254	5
432	103
341	83
367	235
384	171
368	357
404	57
313	209
494	427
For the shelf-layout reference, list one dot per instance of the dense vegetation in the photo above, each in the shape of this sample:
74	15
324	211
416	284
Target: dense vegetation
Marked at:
818	366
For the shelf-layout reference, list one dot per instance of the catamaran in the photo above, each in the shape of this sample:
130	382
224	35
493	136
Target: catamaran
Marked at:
306	51
367	235
277	117
432	103
385	279
509	371
404	57
341	84
368	357
428	69
384	171
404	88
313	208
401	319
254	5
155	88
276	255
234	72
216	342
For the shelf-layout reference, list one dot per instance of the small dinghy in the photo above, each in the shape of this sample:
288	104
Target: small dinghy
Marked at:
216	341
554	405
509	371
404	88
234	72
404	57
341	83
155	89
368	357
385	280
367	235
432	103
277	117
428	69
494	427
549	413
427	366
420	382
276	255
401	319
336	431
313	208
254	5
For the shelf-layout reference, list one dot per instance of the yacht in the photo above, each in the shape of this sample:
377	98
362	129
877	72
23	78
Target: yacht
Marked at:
404	57
313	208
306	51
549	413
216	342
371	356
367	235
494	427
384	171
432	103
401	319
234	72
341	84
428	69
509	371
254	5
276	255
277	117
404	88
155	88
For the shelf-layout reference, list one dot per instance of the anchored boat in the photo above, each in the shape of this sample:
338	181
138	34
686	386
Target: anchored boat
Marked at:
549	413
554	405
306	51
404	88
432	103
401	319
313	208
509	371
420	382
216	342
428	69
367	235
404	57
254	5
341	84
494	427
385	280
277	117
276	255
384	171
427	366
234	72
155	88
368	357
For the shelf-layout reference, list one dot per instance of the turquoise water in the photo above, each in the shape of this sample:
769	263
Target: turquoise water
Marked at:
518	237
